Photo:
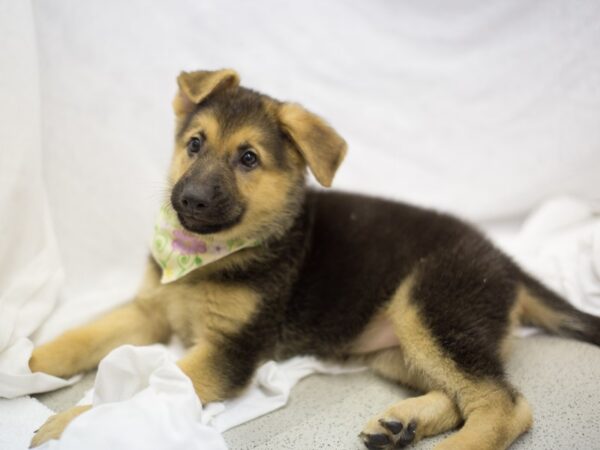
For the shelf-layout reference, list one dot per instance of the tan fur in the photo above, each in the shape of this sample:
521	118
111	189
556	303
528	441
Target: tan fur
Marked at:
434	413
180	162
204	311
56	424
269	194
492	419
533	311
494	425
514	320
204	122
199	365
196	86
251	136
391	364
322	148
200	312
82	348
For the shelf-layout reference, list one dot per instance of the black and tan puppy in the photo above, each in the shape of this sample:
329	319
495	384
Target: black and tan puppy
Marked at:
421	297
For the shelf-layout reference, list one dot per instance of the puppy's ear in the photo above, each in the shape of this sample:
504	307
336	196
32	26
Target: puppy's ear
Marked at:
195	87
320	145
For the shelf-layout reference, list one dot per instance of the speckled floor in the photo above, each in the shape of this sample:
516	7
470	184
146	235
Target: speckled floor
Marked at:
560	378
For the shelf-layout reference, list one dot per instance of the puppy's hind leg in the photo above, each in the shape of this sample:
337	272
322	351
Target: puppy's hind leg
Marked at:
409	420
451	332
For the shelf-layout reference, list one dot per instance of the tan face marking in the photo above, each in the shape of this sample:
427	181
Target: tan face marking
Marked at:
204	123
264	190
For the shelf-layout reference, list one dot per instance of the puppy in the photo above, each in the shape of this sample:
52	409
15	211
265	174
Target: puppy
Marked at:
419	296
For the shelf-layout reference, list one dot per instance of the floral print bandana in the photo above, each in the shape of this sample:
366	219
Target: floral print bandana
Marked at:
178	251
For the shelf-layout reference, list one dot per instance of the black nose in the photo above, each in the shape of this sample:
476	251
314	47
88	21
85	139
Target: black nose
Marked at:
194	198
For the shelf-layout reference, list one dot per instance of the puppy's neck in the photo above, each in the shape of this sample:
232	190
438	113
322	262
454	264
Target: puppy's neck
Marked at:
285	243
178	252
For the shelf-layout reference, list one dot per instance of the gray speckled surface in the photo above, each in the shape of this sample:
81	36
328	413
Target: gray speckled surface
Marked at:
61	399
560	378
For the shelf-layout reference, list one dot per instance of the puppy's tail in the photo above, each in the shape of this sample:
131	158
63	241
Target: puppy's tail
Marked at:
542	307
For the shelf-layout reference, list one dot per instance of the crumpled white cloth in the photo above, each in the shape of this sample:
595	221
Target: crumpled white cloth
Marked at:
18	418
142	400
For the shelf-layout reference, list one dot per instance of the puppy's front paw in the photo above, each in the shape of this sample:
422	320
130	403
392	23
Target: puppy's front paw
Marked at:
56	358
42	361
55	425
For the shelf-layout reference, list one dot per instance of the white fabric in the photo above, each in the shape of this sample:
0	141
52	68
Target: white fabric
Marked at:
485	109
560	244
18	418
146	402
30	268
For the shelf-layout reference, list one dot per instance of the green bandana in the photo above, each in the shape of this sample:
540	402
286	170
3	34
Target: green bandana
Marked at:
178	251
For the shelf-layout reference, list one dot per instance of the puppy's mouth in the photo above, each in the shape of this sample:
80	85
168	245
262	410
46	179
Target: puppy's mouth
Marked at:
202	226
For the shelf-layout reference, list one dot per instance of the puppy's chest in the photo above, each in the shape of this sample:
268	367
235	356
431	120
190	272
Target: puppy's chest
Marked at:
208	309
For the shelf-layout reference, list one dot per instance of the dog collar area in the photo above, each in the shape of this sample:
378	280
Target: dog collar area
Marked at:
178	251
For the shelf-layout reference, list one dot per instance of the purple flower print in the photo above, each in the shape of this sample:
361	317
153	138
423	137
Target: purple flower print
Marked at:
187	244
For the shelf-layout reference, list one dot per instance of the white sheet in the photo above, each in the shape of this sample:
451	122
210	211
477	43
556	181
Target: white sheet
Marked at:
486	109
151	388
560	243
31	272
18	418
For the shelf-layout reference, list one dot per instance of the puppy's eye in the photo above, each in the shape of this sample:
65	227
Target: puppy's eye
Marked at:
249	159
195	145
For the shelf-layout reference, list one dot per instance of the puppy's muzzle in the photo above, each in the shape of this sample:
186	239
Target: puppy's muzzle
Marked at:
205	207
196	199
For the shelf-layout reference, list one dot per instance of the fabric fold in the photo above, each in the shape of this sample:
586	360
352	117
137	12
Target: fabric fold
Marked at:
148	403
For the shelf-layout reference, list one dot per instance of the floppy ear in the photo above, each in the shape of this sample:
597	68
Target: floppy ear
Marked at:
195	87
320	145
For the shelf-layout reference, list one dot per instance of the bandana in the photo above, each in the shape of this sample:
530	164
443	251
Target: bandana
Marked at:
178	251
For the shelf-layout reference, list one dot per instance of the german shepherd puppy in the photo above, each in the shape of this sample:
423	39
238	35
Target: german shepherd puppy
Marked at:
419	296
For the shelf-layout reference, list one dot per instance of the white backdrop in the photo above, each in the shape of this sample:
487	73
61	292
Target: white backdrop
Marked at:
485	109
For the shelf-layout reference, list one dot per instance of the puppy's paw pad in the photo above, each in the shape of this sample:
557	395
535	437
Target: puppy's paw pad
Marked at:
398	435
393	426
407	435
376	441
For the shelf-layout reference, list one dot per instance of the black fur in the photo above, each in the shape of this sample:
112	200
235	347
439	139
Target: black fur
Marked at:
345	255
344	258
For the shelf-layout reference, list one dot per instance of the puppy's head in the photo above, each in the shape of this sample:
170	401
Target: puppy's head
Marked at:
240	157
